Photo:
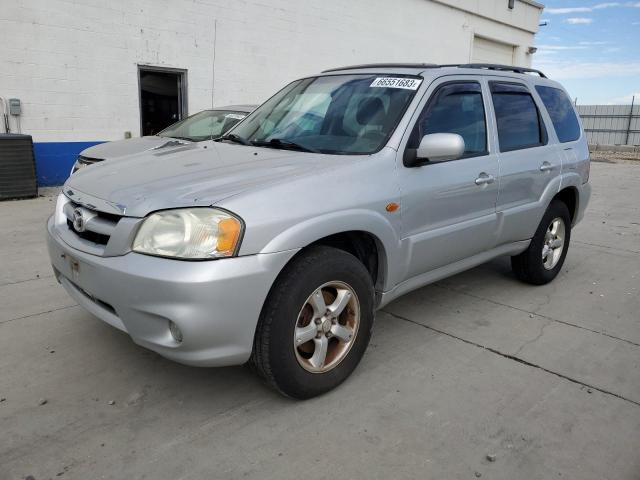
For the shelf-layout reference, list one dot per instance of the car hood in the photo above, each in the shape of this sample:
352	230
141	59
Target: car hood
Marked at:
195	175
121	148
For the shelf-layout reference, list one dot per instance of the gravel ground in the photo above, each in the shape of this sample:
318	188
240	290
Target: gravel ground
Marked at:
615	157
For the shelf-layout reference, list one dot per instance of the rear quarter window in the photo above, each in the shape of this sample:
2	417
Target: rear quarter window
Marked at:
563	117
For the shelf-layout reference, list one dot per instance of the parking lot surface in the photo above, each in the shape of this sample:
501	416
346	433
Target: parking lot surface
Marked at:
475	376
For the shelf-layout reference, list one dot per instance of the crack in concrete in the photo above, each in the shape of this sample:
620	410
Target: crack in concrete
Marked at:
563	322
543	303
514	358
2	322
605	246
529	342
25	281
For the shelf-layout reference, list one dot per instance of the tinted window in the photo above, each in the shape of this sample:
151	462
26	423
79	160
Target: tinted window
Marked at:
561	112
455	108
518	120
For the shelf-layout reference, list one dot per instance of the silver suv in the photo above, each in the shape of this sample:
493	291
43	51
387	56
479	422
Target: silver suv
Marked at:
276	244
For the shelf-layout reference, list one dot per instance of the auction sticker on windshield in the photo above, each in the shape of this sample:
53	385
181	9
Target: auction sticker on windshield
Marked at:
396	82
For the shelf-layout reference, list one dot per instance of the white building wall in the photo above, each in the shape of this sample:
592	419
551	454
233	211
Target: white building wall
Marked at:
74	64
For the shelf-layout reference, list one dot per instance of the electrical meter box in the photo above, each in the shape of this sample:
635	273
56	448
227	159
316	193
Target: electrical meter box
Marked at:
15	107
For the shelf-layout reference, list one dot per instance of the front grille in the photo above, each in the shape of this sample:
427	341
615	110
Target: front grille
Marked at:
96	226
99	238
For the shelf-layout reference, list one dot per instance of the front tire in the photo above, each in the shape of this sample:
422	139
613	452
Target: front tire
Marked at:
541	262
316	323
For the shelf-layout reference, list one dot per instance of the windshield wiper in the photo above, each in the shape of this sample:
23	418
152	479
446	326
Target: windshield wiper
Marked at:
232	137
169	137
284	144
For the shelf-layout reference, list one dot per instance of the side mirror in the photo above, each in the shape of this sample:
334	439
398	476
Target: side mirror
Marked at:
437	147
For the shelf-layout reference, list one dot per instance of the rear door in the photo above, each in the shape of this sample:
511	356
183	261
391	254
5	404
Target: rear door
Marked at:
528	163
448	208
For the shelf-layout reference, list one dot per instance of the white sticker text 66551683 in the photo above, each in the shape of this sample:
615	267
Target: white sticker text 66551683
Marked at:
396	82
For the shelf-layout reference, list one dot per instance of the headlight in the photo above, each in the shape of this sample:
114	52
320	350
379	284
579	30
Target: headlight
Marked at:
189	233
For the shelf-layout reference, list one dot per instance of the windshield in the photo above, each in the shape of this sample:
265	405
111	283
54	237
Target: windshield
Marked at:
338	114
204	125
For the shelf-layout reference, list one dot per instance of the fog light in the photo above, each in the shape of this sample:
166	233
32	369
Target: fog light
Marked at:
175	332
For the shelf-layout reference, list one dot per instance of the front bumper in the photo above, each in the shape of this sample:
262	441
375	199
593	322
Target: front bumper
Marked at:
216	304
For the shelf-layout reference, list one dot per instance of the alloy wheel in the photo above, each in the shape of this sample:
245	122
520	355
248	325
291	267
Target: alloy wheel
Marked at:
553	243
326	327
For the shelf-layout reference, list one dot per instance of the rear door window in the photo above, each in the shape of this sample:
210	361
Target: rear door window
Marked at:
517	117
561	112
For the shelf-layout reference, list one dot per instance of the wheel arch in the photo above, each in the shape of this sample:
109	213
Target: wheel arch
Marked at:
569	196
363	245
367	235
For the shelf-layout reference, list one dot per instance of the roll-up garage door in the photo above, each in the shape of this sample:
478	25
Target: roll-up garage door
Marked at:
490	51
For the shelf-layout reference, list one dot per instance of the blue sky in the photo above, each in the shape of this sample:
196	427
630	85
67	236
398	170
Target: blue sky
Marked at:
592	48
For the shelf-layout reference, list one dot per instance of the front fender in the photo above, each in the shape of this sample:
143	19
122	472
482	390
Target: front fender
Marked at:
309	231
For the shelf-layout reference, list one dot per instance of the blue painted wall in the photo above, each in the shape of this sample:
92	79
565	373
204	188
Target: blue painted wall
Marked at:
55	159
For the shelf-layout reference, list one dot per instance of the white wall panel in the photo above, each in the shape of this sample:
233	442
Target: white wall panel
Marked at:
74	63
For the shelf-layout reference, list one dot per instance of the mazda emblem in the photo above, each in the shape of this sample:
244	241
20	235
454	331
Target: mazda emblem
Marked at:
78	220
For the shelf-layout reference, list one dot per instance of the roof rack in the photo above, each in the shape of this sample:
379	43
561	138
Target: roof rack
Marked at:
501	68
384	65
485	66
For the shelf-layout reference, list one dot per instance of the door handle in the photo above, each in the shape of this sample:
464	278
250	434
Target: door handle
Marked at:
546	166
484	179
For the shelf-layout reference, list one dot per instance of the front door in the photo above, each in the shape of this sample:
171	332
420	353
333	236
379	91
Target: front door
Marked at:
448	208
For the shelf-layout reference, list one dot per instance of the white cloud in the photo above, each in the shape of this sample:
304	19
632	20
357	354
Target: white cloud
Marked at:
607	5
594	43
599	6
625	100
562	70
561	47
579	21
560	11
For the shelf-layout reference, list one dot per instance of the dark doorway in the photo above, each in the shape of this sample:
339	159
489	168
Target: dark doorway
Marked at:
162	98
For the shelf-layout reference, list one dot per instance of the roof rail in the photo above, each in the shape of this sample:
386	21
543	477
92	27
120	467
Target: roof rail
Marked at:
384	65
501	68
485	66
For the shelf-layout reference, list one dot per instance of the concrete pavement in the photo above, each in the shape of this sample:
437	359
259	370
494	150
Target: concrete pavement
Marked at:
547	379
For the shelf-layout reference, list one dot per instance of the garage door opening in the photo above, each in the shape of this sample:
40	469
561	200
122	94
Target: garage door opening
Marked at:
162	98
491	51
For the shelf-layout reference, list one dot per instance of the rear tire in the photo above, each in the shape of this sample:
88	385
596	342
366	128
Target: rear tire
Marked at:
316	323
541	262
